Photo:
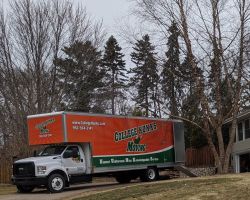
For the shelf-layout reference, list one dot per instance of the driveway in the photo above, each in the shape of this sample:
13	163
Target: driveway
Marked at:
68	193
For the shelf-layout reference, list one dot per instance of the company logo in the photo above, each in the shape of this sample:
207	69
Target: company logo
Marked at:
134	146
44	131
136	134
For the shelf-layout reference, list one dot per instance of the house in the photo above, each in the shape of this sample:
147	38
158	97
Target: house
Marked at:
240	159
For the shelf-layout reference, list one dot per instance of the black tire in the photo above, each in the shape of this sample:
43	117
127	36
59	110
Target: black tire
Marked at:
123	179
56	183
24	188
150	174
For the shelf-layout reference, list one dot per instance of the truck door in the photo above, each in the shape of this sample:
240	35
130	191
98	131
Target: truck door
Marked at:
74	160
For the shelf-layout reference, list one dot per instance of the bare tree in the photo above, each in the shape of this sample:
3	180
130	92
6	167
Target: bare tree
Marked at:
32	35
216	52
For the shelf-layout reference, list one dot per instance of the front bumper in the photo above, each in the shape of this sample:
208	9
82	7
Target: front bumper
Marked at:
34	181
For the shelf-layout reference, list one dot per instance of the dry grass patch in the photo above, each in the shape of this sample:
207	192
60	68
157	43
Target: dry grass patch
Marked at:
7	189
206	188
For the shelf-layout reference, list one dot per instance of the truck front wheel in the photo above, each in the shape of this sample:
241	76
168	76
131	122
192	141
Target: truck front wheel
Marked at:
24	188
150	174
56	183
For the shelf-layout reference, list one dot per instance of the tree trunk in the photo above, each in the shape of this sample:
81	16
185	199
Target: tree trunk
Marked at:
146	102
208	134
113	93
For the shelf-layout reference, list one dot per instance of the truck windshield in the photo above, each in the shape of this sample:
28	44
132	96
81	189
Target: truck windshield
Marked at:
52	151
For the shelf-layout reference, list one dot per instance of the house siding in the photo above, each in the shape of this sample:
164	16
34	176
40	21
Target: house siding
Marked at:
242	143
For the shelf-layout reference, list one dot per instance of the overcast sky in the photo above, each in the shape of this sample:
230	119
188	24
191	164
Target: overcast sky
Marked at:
112	12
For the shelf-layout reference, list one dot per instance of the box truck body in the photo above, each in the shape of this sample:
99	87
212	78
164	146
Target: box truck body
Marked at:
118	145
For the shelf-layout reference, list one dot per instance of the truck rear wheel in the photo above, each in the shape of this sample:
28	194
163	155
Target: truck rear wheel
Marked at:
150	174
24	188
56	183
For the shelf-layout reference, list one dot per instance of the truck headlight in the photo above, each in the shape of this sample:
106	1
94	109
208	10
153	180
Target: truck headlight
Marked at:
41	169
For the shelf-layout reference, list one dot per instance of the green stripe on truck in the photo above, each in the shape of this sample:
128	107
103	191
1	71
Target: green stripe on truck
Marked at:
154	158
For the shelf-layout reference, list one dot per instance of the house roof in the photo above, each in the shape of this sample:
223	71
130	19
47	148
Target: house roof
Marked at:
242	115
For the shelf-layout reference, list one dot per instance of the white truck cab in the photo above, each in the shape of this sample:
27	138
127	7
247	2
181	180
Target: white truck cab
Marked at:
55	167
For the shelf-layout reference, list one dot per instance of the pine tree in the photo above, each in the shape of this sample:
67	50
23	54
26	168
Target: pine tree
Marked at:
115	70
145	75
80	75
171	81
190	108
191	111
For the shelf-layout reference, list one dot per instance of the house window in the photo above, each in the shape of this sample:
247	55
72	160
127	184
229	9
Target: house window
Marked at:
243	130
240	131
247	129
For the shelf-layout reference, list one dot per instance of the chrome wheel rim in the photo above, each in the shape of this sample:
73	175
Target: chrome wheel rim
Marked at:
57	183
151	174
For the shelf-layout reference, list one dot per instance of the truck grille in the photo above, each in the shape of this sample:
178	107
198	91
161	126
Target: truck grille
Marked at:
24	169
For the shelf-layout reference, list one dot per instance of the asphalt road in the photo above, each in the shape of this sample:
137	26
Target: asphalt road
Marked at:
68	193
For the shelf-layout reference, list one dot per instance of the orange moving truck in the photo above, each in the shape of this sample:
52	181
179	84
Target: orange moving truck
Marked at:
81	145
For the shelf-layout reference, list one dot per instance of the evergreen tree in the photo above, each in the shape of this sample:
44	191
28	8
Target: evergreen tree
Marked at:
190	108
176	77
171	75
115	70
145	75
80	75
191	111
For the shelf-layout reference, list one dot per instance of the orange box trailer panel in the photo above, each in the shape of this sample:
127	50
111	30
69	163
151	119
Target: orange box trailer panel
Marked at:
115	140
46	129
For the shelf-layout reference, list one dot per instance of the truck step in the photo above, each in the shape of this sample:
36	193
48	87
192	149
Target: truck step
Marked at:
185	170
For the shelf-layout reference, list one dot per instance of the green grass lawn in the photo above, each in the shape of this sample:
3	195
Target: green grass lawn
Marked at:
217	187
7	189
